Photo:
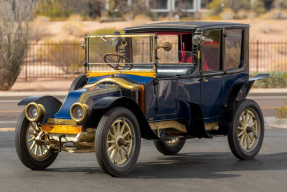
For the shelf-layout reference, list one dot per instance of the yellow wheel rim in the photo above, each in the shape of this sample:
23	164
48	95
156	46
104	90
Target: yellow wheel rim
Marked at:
119	142
37	149
248	132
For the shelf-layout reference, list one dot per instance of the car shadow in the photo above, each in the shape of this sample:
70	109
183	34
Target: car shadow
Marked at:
194	165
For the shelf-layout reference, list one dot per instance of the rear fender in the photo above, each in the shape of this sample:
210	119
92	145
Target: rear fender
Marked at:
237	92
51	104
107	103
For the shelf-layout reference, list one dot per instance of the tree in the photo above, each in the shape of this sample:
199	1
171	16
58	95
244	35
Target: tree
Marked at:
15	17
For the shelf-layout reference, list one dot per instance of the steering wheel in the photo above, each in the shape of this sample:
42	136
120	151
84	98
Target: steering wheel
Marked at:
120	58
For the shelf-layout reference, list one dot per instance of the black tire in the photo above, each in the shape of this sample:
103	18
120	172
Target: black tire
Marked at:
101	146
78	83
22	149
169	149
249	152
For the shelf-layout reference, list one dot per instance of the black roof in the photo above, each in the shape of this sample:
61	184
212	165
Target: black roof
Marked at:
182	26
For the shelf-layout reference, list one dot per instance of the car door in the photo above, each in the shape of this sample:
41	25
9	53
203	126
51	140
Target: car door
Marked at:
212	76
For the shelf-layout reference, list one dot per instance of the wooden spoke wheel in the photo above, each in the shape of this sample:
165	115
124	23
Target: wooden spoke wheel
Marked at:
117	141
246	135
170	147
32	153
38	150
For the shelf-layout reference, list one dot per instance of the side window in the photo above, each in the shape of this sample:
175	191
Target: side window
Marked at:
211	50
233	43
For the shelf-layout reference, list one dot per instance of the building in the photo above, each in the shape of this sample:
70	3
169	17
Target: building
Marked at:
174	6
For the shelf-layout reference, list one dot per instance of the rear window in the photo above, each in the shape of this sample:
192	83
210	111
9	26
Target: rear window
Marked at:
233	43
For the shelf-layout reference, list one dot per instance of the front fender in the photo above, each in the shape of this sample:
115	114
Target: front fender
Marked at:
108	103
51	104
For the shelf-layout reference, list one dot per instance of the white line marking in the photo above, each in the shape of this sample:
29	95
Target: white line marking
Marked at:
267	97
8	122
9	101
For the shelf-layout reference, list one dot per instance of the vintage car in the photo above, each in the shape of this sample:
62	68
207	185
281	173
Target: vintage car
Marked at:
165	82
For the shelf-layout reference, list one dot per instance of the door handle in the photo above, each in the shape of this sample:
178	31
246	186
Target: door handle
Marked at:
205	80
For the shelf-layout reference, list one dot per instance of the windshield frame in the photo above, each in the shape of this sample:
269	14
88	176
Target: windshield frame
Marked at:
87	51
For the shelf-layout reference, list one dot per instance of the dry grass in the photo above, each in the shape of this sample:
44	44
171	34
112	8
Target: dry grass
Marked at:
227	14
264	28
40	28
74	28
141	19
281	112
75	18
275	14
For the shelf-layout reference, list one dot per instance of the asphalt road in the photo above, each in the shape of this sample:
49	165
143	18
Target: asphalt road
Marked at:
202	165
9	111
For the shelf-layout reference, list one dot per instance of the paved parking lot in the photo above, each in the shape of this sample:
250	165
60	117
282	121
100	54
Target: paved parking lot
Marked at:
202	165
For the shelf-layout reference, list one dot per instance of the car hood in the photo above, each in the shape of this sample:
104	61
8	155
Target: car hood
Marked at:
87	96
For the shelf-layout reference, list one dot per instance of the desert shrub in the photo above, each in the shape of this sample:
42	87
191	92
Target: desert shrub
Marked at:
258	7
68	55
74	28
187	19
40	28
53	9
242	14
141	19
15	32
105	31
281	112
276	14
264	28
76	18
274	80
216	17
227	14
281	4
215	7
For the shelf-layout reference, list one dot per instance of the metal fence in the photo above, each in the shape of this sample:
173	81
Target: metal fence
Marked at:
65	59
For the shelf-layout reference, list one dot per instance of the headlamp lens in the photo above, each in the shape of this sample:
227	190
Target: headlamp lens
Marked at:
78	112
32	112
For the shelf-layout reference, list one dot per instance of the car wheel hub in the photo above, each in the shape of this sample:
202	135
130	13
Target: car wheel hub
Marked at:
248	130
119	142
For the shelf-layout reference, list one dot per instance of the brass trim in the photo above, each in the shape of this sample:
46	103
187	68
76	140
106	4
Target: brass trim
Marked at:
144	73
118	81
40	108
61	121
121	35
84	96
167	124
86	111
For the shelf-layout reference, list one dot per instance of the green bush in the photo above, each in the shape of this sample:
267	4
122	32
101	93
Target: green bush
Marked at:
53	9
274	80
281	112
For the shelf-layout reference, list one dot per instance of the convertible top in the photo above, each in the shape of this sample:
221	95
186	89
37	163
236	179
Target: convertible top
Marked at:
182	26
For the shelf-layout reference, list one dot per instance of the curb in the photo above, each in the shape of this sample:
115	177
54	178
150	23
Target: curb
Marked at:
26	94
274	122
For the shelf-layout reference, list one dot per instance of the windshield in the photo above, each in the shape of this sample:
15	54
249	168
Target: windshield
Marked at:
115	52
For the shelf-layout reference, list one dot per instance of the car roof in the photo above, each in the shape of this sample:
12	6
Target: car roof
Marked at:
182	26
